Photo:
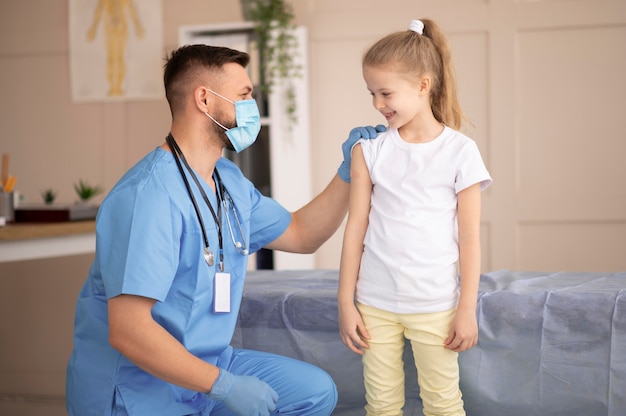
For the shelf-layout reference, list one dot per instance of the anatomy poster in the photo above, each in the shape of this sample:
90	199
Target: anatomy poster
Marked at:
116	49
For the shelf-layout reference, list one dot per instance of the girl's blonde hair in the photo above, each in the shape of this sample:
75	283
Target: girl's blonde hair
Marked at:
423	54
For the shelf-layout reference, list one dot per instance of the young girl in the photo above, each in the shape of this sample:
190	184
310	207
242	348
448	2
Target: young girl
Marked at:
414	213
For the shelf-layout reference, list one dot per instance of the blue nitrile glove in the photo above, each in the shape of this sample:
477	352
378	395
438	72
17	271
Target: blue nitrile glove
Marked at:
367	132
244	395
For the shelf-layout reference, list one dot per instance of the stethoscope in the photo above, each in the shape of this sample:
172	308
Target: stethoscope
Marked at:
223	198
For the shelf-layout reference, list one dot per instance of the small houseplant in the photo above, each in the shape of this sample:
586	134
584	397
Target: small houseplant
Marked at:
48	196
85	191
274	29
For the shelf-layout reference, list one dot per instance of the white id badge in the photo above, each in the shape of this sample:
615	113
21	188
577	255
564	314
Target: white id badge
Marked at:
222	292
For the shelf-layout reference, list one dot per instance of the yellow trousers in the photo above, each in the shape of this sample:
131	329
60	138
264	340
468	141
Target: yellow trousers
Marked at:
383	369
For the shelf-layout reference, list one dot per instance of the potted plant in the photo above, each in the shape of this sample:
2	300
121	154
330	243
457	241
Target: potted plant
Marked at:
274	29
85	191
48	196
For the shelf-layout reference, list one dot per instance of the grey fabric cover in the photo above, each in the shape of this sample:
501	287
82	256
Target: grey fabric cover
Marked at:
549	344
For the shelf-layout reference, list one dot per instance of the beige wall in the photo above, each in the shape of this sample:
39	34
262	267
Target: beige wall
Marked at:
541	80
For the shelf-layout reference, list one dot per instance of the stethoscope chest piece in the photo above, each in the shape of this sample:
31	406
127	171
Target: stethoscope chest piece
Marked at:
209	256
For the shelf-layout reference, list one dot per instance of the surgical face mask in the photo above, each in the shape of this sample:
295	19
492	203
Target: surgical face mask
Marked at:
248	123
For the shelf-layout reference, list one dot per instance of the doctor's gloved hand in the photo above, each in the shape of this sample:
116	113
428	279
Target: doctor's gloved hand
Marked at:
367	132
244	395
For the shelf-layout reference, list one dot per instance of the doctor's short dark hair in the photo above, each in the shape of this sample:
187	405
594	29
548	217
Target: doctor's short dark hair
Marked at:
190	63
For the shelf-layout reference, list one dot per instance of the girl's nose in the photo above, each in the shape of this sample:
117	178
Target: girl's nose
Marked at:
378	103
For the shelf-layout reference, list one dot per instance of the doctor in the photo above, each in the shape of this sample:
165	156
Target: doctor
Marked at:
155	317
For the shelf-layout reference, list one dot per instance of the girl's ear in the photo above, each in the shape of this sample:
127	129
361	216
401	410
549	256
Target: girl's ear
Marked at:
425	84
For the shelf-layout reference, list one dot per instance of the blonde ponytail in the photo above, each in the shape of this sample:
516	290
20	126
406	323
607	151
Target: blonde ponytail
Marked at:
425	53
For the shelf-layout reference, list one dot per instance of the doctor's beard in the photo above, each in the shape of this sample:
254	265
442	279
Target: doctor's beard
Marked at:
220	132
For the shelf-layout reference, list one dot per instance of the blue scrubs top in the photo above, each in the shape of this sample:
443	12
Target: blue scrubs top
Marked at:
149	243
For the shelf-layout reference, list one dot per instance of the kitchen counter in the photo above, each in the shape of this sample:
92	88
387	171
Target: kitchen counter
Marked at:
27	241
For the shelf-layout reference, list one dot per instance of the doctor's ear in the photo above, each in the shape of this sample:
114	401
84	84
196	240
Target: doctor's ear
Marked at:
200	98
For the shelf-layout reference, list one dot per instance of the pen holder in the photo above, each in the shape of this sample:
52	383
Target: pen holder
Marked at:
7	209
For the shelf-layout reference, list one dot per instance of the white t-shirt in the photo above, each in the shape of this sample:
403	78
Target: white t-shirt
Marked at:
411	245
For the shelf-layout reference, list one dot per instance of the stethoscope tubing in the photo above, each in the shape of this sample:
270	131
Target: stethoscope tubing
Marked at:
222	196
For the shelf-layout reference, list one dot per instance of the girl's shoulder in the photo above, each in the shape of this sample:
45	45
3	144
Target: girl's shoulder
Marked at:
457	139
454	135
377	141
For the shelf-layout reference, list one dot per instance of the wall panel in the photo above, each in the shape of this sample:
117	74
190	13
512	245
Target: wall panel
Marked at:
542	82
568	135
578	246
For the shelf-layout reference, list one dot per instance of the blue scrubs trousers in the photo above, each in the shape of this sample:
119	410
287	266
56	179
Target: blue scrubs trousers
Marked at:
302	388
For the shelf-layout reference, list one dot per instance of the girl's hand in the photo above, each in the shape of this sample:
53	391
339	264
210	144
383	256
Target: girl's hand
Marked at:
352	330
463	332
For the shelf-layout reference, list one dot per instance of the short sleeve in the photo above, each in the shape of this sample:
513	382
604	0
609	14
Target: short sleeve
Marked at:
268	221
471	169
137	247
371	148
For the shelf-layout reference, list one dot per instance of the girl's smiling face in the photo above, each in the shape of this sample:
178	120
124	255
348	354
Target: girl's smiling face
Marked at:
399	98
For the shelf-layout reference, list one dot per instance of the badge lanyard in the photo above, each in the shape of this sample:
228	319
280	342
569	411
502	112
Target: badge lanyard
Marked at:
208	254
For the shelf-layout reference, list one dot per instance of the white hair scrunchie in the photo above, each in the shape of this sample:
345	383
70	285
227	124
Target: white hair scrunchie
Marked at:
417	26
